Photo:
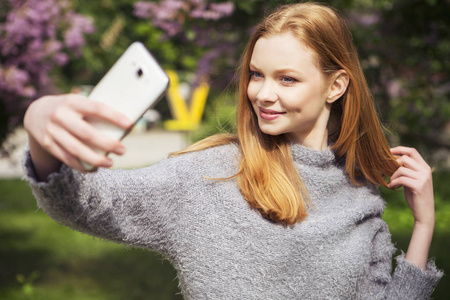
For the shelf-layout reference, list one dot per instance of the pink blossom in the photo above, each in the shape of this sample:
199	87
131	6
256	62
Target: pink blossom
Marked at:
31	47
394	88
224	8
190	20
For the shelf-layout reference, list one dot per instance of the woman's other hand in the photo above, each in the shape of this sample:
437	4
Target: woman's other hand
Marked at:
59	133
415	175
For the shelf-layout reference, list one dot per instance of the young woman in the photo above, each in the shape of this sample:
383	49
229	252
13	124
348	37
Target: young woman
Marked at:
285	209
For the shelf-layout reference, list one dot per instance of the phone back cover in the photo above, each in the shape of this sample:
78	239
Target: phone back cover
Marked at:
125	91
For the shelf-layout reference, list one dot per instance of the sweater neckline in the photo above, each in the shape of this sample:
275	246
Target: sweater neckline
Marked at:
307	156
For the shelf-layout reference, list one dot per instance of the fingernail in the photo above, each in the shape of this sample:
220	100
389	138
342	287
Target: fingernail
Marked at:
125	123
108	163
119	150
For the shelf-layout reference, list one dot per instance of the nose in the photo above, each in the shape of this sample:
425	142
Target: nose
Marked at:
267	93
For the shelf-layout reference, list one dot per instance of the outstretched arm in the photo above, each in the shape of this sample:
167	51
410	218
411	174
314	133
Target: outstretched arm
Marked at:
126	206
58	133
415	176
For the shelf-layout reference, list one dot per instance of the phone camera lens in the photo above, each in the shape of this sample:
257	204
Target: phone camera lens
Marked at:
140	72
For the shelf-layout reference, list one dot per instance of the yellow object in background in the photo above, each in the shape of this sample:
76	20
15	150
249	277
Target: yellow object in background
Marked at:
185	118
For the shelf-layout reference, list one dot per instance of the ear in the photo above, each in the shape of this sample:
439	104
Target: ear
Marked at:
338	86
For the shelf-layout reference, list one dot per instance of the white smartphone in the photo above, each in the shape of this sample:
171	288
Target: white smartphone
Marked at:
133	85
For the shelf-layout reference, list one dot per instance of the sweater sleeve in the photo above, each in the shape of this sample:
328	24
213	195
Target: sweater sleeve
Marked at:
136	207
406	282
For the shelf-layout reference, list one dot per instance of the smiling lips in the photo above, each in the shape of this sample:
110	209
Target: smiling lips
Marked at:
268	114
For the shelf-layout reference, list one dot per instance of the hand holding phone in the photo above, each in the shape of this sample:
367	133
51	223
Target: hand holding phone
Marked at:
133	85
58	133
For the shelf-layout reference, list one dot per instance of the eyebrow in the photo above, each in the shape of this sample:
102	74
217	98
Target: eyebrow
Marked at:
282	70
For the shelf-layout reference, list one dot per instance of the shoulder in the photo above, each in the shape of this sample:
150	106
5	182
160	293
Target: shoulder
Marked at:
218	161
223	152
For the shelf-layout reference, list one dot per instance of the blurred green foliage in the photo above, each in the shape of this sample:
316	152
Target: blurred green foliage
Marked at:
404	48
219	119
406	55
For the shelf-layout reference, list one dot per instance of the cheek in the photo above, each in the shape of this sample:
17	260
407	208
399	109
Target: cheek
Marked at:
305	99
251	94
293	102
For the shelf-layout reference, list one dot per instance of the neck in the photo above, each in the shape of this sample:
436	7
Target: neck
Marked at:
313	141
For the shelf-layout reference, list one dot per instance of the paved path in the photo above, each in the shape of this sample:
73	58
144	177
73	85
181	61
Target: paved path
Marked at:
143	149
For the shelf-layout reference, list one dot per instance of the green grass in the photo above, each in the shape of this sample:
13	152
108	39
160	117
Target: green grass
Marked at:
40	259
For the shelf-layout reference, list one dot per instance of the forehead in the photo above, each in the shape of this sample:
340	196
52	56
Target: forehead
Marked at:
283	50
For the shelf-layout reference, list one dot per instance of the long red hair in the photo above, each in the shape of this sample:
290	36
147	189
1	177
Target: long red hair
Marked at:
267	177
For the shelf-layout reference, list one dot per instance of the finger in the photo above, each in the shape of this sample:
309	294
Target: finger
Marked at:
62	155
402	181
402	171
94	138
410	163
91	108
411	152
71	121
75	163
77	149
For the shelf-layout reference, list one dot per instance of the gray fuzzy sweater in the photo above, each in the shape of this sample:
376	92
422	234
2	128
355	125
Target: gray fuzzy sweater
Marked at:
222	248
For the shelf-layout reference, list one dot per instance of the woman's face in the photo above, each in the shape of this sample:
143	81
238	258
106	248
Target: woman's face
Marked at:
287	90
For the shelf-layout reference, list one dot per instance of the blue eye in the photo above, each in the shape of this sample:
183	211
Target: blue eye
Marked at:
254	74
288	79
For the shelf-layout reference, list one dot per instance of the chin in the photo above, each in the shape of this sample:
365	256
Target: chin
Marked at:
270	131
